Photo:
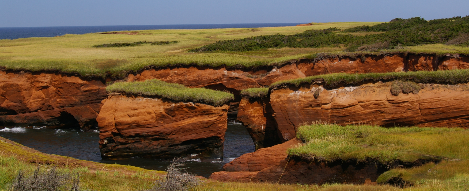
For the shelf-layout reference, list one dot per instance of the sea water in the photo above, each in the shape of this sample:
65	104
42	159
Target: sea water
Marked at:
26	32
85	145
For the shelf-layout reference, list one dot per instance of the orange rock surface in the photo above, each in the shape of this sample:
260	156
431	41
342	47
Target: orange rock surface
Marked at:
155	128
256	116
246	167
236	80
49	99
434	106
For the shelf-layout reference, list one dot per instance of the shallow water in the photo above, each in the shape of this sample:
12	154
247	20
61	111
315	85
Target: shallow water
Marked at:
84	145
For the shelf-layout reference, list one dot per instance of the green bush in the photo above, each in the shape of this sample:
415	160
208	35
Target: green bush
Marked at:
398	32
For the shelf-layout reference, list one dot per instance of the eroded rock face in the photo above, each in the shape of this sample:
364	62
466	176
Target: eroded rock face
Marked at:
300	171
195	77
433	106
365	64
256	116
155	128
49	99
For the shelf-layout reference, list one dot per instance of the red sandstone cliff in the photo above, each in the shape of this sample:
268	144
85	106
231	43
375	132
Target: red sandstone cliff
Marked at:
49	99
156	128
434	106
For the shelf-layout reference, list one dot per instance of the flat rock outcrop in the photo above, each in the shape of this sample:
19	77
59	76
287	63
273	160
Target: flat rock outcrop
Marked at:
246	167
433	106
49	99
149	127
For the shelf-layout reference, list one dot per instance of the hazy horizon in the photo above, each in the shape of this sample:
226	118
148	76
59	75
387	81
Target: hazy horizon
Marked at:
56	13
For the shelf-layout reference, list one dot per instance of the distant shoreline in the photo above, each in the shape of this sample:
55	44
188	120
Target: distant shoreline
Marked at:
27	32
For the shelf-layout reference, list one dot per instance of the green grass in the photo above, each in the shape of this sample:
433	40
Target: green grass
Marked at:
76	54
343	79
334	142
172	91
255	92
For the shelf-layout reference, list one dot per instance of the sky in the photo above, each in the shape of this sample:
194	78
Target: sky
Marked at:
40	13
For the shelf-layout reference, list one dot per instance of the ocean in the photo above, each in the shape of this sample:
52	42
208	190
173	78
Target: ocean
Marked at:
26	32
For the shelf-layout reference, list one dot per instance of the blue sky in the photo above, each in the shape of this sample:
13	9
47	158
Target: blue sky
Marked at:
33	13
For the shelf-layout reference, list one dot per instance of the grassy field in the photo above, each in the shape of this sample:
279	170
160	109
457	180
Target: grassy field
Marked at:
172	91
76	54
116	54
447	146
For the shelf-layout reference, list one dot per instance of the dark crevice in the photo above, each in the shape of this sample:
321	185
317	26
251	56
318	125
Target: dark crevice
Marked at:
64	121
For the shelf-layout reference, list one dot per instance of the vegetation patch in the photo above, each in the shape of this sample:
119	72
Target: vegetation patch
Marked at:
451	175
41	180
172	91
328	142
396	33
255	92
398	87
176	179
343	79
124	44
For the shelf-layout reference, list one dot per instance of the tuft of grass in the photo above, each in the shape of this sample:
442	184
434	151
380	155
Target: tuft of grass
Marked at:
172	91
328	142
255	92
343	79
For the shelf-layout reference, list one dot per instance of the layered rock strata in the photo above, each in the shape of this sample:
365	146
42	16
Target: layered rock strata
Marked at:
149	127
433	106
49	99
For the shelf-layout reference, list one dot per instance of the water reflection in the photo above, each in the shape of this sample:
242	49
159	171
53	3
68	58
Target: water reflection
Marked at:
85	146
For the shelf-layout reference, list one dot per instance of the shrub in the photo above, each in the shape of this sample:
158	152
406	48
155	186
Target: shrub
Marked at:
403	32
462	39
398	87
175	179
51	180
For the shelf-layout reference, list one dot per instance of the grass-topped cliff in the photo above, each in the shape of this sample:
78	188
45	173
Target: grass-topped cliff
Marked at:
171	91
445	149
342	79
114	54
